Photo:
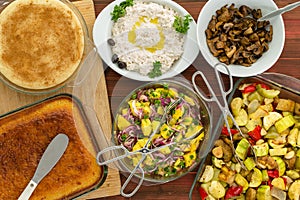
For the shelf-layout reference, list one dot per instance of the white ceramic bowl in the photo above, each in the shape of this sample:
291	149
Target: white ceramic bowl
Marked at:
268	58
102	32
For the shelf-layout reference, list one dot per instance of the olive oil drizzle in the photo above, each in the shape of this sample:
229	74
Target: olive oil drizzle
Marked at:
154	48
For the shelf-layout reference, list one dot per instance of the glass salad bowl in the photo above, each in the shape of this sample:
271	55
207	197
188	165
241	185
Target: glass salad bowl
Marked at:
170	121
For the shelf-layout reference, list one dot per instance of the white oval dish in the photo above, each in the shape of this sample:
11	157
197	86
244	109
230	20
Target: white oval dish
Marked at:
102	32
267	60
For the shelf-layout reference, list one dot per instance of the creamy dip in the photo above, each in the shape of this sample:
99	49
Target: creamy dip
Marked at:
146	35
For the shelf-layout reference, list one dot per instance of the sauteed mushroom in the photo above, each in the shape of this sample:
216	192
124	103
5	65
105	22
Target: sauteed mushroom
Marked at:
256	13
245	10
236	37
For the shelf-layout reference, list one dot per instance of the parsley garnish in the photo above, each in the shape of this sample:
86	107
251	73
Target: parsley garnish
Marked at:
155	72
181	25
126	3
119	10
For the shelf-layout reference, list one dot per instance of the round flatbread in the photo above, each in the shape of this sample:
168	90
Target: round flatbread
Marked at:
41	43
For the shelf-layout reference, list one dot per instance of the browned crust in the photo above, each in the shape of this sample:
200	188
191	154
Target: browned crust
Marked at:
24	137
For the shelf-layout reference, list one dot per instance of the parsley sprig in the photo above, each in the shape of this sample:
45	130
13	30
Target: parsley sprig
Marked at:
181	24
119	10
156	71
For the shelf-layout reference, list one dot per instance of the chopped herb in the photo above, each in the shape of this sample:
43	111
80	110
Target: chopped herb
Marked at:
134	96
166	86
172	111
123	137
157	118
156	71
181	25
170	132
182	164
146	116
157	102
126	3
119	10
195	121
137	122
152	93
191	156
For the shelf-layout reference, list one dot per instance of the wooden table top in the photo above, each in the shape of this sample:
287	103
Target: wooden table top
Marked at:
118	88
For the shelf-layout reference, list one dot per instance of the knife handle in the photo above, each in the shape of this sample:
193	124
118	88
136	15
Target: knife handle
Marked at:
28	191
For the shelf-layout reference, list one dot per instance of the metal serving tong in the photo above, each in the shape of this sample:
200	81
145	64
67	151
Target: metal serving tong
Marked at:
143	152
223	106
280	11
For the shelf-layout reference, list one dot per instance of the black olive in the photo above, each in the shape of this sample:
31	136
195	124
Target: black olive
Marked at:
122	64
111	42
115	58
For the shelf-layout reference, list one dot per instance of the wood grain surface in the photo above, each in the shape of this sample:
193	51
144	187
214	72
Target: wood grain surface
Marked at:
118	87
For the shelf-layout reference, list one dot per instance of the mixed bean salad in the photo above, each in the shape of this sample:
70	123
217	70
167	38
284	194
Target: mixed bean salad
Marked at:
141	119
271	124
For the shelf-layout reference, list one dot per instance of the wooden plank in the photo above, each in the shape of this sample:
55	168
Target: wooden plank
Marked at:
112	184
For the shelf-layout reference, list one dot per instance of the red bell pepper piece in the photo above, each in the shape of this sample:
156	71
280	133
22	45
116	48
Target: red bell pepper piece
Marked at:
203	193
273	173
225	131
233	191
255	133
252	88
284	180
270	183
249	89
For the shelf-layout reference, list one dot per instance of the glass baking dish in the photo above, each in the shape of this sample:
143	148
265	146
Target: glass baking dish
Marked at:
68	79
289	89
26	132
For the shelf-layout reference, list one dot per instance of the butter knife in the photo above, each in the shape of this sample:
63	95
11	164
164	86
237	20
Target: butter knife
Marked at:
51	156
280	11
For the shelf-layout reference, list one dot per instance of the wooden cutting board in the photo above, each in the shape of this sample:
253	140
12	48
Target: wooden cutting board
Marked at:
11	99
